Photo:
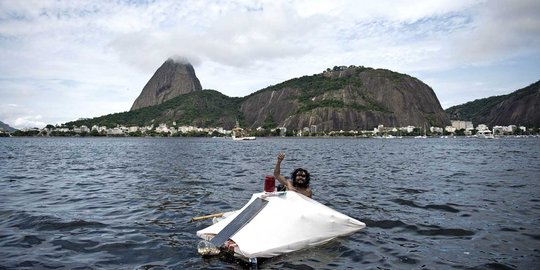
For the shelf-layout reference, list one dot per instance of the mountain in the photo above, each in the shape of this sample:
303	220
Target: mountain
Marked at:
521	107
172	79
6	127
353	98
205	108
343	98
347	99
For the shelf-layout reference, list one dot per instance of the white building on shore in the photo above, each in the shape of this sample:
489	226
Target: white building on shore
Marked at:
466	125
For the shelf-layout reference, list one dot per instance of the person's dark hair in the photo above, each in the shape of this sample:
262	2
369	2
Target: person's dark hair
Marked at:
293	177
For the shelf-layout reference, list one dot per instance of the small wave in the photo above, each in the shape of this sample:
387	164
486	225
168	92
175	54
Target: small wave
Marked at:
78	246
411	190
493	185
30	264
493	266
533	236
32	240
194	182
23	178
24	241
71	225
442	207
446	232
48	223
384	224
458	174
406	203
508	230
114	247
407	260
153	267
433	230
289	265
429	231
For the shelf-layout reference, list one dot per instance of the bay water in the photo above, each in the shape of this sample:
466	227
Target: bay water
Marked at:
126	203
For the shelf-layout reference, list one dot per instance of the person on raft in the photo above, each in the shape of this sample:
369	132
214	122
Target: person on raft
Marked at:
300	178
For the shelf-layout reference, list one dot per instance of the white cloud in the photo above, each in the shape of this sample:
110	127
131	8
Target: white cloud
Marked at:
19	117
92	58
29	121
501	30
237	38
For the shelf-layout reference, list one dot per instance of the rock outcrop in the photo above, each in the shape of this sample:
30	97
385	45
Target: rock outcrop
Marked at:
522	107
172	79
354	98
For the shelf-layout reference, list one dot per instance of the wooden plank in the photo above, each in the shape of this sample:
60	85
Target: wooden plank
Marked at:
207	217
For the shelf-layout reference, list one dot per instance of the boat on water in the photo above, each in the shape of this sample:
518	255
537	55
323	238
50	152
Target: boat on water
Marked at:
282	222
239	134
243	138
485	134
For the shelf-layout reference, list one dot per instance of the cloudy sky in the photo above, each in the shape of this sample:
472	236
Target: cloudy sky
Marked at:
64	60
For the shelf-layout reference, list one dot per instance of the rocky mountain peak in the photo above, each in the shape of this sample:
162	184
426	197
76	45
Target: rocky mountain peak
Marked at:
346	98
172	79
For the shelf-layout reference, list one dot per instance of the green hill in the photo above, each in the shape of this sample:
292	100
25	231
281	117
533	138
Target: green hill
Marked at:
522	107
342	98
207	108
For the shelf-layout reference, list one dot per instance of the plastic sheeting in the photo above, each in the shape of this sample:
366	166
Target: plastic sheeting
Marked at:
289	222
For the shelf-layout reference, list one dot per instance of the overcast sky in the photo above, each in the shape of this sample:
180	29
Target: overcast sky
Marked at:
64	60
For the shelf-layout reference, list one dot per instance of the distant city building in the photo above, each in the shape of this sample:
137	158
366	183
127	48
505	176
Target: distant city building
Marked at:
498	130
436	130
466	125
482	127
450	129
407	129
115	131
162	128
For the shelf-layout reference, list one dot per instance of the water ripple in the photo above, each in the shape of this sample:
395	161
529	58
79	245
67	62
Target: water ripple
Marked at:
126	203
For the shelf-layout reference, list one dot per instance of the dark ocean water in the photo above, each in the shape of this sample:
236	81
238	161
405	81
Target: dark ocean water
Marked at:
126	203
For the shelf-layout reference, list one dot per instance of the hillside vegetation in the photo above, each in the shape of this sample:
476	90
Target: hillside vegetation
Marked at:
207	108
521	107
342	98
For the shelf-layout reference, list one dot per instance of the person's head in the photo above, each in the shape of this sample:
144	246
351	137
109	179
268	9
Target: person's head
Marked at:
300	178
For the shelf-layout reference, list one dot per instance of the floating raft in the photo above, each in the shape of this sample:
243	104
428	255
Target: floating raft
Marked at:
288	222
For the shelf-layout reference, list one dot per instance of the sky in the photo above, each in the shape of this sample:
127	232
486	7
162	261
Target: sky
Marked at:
65	60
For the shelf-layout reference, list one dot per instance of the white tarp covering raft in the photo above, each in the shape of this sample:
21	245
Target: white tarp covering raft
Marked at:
288	222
